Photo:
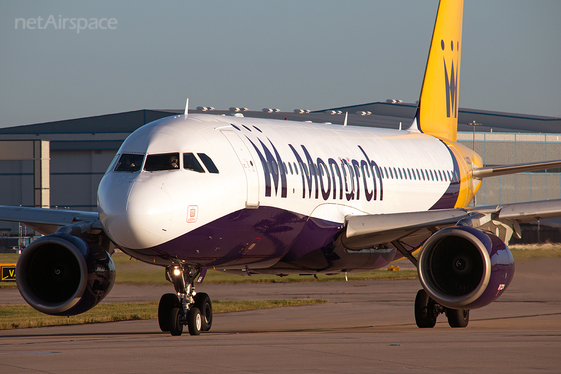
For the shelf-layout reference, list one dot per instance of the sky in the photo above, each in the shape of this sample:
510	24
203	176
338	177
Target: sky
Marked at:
288	54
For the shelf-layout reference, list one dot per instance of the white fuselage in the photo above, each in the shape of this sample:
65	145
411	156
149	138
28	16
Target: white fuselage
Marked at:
274	171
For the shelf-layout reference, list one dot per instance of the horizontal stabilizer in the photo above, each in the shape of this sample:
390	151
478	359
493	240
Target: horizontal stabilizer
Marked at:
493	171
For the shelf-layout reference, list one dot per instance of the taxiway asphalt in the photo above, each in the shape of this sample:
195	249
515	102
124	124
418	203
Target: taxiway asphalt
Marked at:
367	326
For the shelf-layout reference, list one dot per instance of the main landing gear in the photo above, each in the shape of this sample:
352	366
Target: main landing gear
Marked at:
185	307
426	311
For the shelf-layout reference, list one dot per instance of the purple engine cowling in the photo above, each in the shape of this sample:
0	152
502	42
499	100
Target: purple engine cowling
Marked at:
462	267
64	275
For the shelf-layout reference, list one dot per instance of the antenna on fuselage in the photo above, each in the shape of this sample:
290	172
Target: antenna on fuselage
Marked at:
187	107
346	117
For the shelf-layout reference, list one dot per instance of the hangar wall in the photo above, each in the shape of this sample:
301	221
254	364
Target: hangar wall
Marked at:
16	183
508	148
75	175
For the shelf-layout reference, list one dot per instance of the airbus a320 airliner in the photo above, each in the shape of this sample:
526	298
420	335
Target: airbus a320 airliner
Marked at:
194	192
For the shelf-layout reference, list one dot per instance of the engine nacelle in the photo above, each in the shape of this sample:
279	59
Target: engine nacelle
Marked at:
465	268
64	275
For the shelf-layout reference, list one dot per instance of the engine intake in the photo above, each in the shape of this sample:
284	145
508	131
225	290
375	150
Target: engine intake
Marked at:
465	268
64	275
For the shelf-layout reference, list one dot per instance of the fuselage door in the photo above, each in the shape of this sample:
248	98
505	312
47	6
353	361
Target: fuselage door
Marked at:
249	168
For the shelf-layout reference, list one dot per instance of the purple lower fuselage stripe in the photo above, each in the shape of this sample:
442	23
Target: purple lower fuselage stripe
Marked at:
248	236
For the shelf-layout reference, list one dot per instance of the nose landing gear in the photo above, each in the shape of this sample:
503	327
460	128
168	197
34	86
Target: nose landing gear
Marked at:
185	307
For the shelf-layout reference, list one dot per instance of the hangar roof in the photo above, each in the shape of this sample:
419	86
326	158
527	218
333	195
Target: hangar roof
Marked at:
497	121
109	130
108	123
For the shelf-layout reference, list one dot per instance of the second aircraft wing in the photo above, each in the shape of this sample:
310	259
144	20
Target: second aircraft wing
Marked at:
46	221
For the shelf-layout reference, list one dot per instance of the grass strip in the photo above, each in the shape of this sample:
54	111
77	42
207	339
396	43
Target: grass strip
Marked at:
24	316
151	276
136	272
527	251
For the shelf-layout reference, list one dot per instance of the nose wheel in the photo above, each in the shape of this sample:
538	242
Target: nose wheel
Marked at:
194	321
185	307
176	321
202	302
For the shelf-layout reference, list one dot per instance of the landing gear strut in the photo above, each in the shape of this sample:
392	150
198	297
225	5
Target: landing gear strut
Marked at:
185	307
427	310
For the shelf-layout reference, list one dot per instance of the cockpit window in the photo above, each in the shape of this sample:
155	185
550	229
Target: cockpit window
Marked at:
130	163
208	163
190	162
111	166
160	162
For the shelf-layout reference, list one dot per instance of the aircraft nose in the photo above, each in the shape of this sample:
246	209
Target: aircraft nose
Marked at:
137	215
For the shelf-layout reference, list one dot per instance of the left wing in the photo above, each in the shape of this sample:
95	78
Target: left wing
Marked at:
47	221
370	230
412	229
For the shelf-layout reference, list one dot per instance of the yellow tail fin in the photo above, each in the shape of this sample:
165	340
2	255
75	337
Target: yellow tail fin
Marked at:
437	112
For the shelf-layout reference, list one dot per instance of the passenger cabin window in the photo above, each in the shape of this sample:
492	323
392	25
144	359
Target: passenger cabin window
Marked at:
162	162
190	162
208	163
129	163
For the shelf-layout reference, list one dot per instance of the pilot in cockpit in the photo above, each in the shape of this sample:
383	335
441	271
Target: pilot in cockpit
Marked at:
174	162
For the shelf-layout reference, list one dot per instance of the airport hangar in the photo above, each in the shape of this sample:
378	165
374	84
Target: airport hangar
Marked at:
67	159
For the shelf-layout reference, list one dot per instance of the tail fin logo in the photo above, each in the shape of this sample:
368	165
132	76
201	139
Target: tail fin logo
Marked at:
438	105
451	80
